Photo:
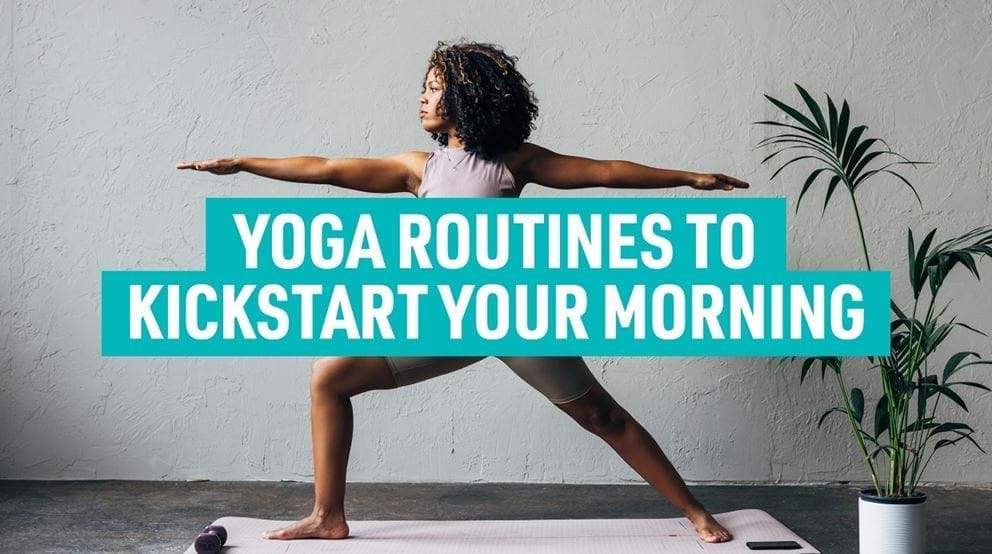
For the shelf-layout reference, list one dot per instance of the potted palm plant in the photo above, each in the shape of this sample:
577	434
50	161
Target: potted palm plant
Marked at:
900	438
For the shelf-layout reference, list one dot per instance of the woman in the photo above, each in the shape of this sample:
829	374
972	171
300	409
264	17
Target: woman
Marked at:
480	110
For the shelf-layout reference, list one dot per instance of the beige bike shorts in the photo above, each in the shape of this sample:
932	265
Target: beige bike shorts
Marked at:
560	378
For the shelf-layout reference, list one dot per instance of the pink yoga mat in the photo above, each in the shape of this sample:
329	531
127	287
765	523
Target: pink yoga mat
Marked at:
571	536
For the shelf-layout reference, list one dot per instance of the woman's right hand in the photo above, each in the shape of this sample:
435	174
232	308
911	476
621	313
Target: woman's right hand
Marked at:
219	166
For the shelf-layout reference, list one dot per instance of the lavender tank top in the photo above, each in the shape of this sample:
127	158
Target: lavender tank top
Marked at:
457	172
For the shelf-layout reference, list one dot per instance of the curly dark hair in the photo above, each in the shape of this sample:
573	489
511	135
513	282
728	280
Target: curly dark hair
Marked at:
489	101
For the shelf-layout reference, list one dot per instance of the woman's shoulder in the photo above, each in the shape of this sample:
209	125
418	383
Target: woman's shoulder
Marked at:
518	159
414	161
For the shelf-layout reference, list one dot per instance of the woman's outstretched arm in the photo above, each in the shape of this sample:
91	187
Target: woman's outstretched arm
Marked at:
399	173
544	167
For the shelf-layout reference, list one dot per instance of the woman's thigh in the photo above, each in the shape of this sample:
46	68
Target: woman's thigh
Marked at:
560	378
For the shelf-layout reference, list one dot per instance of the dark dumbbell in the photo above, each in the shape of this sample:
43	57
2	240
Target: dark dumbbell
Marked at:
211	539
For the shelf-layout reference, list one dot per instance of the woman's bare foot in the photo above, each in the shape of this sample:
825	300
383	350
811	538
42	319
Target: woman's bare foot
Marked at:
708	528
311	527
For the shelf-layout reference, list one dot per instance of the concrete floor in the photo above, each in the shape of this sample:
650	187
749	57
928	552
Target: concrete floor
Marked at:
114	516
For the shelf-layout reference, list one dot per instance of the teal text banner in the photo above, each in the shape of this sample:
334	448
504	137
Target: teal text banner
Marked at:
469	276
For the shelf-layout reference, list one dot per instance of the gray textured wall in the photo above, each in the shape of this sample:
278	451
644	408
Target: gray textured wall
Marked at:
99	99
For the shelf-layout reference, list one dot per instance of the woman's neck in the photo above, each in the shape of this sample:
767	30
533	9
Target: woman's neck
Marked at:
455	143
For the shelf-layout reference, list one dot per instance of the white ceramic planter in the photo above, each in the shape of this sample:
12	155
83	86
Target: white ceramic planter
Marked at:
889	525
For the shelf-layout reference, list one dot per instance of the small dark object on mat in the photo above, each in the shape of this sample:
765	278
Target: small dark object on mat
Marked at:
211	539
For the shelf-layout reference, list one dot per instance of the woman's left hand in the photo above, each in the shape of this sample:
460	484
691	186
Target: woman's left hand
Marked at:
716	181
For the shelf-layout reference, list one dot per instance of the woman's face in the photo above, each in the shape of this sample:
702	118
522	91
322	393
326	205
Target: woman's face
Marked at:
429	100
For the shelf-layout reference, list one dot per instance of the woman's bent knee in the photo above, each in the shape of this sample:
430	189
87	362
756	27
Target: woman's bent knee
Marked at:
327	373
346	376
